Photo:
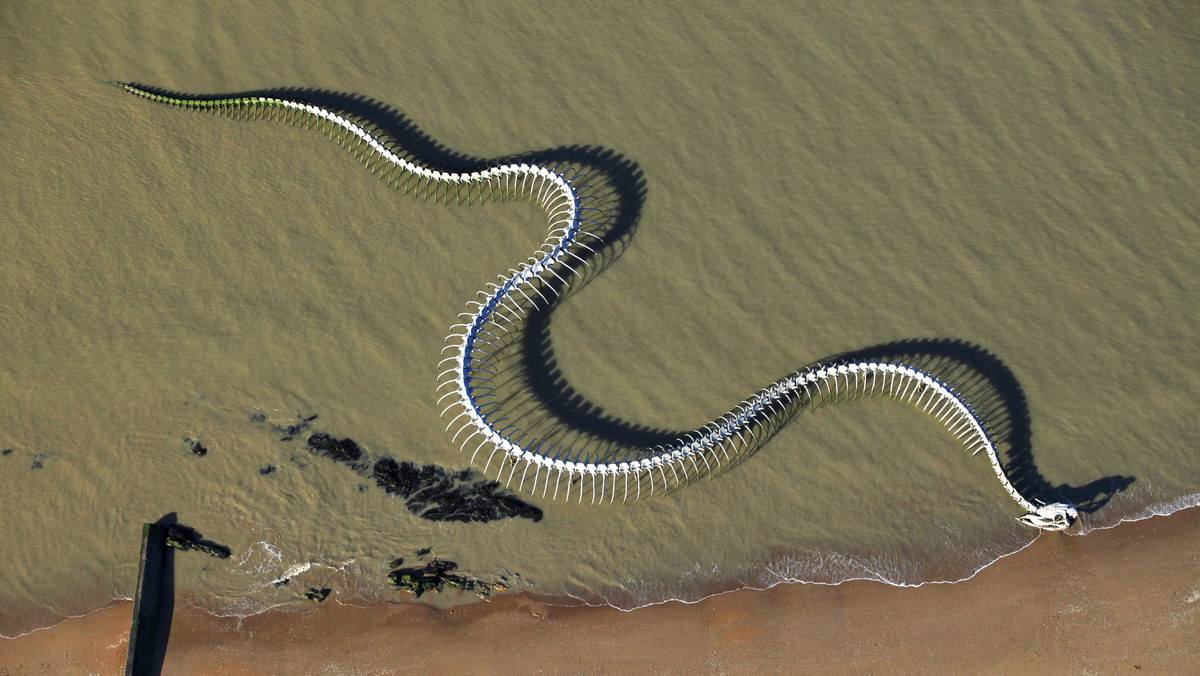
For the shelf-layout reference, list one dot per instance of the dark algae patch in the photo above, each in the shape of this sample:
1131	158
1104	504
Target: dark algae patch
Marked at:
431	492
338	450
288	430
437	575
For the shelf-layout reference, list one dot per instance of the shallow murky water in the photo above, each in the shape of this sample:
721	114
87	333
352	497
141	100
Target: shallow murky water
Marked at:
1018	181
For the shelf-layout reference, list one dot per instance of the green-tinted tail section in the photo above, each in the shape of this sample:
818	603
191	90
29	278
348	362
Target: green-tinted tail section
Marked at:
377	150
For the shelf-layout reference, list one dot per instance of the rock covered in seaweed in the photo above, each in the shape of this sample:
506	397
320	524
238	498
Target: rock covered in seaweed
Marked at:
436	576
185	538
317	594
289	430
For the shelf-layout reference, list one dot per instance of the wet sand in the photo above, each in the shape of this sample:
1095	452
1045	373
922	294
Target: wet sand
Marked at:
1114	601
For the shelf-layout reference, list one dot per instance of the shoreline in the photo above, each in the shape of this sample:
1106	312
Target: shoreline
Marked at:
1187	503
1118	599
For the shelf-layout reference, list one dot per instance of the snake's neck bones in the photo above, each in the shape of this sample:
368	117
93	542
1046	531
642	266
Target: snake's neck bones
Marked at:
466	386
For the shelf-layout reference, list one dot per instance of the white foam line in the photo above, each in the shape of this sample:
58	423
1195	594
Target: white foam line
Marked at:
1159	509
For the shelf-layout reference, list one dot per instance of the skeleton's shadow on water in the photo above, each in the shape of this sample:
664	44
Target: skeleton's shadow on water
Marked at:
538	395
979	375
994	389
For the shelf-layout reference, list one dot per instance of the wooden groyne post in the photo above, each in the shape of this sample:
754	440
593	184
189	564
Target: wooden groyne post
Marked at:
143	633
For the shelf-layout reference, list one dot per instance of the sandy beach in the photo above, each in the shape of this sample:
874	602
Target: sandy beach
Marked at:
1122	600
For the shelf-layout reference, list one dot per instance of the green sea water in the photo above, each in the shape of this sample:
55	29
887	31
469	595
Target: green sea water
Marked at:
819	178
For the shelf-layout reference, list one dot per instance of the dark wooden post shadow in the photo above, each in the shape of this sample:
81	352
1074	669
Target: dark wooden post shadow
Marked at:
153	601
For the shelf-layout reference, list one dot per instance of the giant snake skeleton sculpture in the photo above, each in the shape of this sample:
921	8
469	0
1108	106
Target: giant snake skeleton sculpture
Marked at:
467	386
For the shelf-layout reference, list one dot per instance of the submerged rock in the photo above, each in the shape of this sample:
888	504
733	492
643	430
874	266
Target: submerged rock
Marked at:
197	448
288	430
339	450
432	493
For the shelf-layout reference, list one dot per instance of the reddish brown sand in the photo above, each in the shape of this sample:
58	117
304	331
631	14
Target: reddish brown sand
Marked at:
1114	601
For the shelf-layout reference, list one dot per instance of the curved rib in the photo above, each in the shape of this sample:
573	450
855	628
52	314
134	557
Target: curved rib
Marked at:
559	256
